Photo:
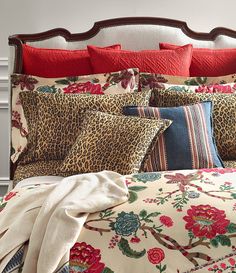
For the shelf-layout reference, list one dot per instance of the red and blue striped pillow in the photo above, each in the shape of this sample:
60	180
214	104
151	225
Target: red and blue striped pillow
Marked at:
188	143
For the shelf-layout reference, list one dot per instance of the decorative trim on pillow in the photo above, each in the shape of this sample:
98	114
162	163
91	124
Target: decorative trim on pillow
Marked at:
111	83
115	143
188	143
54	119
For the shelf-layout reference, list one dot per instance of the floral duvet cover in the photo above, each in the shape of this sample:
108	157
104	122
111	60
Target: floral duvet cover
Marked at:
174	222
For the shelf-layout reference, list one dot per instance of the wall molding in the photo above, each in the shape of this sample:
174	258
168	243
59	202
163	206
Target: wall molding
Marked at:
4	105
4	62
4	181
3	69
4	83
4	79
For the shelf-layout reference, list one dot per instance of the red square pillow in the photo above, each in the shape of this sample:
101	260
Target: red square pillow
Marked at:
53	63
210	62
171	62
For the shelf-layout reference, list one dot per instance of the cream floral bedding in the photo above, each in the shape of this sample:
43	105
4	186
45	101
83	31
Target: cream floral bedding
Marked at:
174	222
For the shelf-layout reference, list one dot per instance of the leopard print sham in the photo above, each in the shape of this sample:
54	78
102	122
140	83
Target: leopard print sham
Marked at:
115	143
39	168
230	164
54	119
224	115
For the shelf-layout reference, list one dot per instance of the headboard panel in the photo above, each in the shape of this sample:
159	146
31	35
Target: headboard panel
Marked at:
135	33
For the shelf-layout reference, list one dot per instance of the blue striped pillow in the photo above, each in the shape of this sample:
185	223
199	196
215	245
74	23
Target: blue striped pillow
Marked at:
188	143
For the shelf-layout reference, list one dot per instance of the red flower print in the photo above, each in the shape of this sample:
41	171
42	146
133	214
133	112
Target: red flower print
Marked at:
10	195
25	81
125	78
232	262
87	87
218	170
135	240
215	88
181	178
153	81
166	221
155	255
16	122
84	258
223	265
206	221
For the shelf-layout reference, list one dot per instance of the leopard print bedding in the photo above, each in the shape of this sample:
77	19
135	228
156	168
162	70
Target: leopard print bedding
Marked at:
111	142
54	120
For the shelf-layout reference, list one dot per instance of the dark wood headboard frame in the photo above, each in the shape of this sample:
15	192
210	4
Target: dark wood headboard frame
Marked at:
19	39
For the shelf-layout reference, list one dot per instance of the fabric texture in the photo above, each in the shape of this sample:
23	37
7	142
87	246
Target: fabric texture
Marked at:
53	168
111	83
174	221
230	164
187	144
54	119
172	62
222	84
209	62
52	63
45	211
38	168
224	114
115	143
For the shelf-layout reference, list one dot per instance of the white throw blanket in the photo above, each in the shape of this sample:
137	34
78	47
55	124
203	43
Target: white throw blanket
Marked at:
51	217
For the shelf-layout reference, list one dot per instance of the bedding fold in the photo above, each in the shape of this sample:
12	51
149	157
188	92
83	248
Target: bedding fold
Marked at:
51	208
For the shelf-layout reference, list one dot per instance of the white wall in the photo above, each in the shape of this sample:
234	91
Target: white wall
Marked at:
27	16
30	16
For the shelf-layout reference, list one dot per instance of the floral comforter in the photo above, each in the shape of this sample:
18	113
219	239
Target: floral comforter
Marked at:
174	222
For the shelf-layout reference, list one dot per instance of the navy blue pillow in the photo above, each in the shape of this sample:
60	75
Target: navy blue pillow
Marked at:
188	143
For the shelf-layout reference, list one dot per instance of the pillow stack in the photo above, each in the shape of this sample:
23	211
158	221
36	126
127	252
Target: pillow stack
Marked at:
106	108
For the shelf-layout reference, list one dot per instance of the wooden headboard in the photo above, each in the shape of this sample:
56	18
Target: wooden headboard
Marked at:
134	33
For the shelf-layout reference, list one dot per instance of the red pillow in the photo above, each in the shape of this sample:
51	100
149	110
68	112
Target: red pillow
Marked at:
53	63
171	62
210	62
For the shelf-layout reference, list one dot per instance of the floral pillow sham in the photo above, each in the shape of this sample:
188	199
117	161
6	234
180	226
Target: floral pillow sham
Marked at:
98	84
222	84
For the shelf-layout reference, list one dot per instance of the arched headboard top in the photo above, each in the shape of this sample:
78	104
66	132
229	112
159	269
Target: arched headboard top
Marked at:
133	33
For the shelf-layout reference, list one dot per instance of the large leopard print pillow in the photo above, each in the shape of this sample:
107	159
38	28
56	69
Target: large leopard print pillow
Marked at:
115	143
54	119
97	84
224	115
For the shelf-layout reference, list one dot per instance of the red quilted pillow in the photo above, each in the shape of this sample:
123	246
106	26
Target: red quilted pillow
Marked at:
210	62
171	62
53	63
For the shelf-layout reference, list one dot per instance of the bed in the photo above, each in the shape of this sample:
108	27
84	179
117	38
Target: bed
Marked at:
149	117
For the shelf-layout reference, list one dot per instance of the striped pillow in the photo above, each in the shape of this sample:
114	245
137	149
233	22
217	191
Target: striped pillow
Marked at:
188	143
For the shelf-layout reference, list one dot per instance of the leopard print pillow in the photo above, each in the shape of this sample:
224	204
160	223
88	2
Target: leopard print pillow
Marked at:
97	84
224	115
116	143
54	119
